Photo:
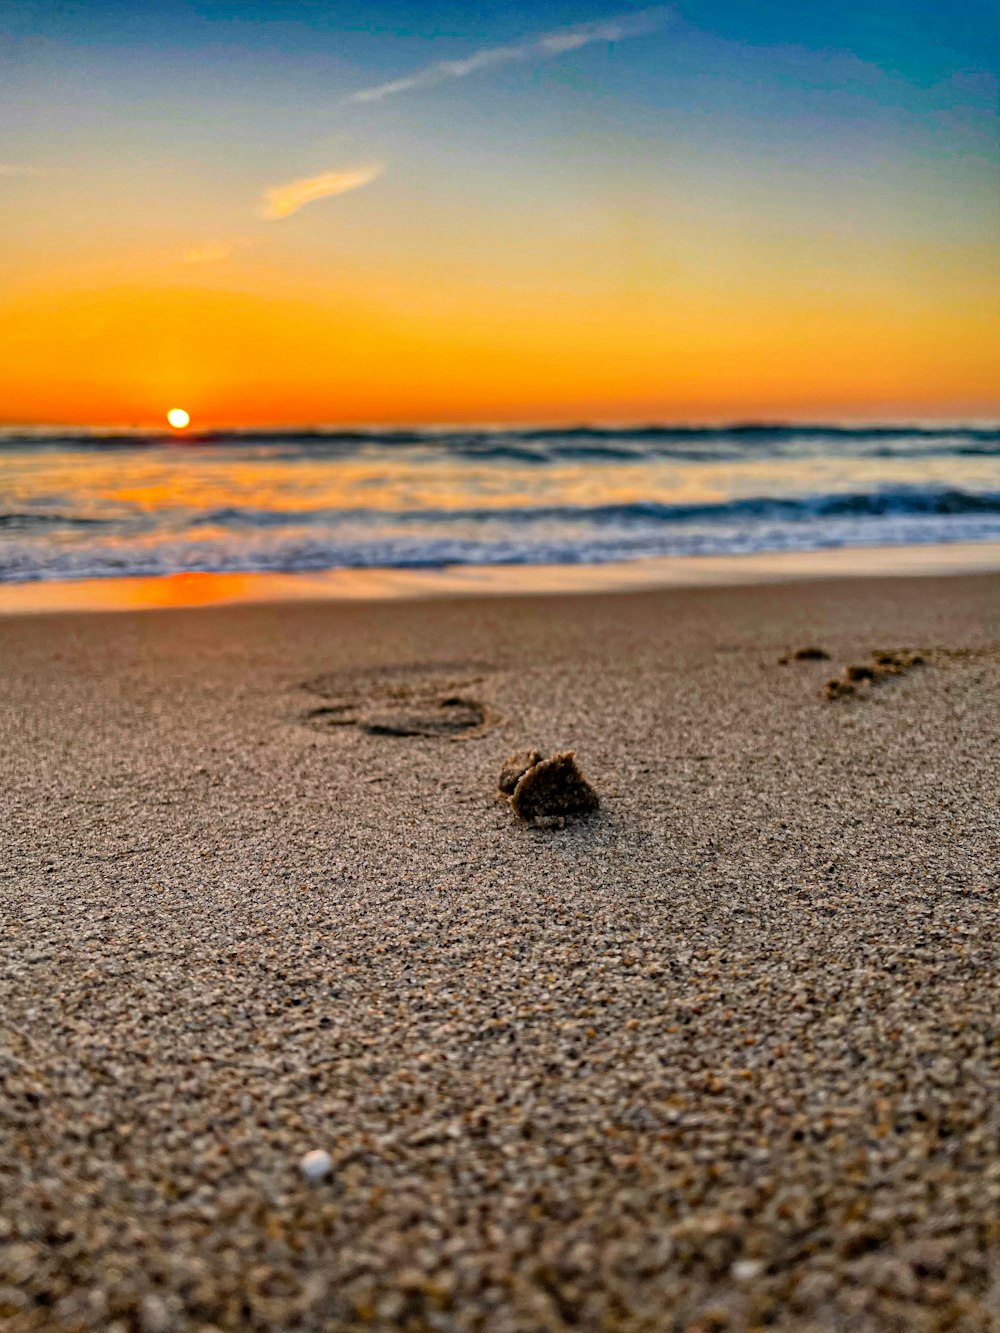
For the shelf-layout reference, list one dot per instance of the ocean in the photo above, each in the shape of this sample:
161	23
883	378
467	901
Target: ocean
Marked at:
80	504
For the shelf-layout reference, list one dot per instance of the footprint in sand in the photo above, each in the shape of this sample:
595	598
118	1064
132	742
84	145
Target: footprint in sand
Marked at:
859	678
402	701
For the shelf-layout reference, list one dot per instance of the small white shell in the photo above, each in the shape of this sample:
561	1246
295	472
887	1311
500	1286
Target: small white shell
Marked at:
316	1165
745	1270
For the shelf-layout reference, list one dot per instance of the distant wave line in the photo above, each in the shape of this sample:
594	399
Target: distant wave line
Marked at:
875	503
878	503
536	443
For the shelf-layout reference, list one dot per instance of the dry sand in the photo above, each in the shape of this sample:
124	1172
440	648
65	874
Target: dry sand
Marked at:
722	1055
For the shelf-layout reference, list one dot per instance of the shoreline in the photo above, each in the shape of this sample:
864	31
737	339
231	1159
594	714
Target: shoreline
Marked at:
207	589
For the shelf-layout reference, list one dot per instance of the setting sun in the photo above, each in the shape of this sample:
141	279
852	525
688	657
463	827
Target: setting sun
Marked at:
178	418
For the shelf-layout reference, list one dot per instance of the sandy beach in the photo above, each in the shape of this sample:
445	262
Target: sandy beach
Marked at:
720	1056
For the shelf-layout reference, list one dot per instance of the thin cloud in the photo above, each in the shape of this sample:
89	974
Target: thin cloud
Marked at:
16	169
638	24
284	200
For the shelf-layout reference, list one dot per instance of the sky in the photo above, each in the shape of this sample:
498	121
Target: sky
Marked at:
298	211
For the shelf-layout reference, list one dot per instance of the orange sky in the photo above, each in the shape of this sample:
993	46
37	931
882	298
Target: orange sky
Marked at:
249	350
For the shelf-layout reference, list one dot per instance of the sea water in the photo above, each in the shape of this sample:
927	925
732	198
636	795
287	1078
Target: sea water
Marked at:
96	504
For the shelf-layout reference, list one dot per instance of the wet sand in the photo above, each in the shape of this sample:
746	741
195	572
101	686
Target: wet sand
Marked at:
722	1055
205	588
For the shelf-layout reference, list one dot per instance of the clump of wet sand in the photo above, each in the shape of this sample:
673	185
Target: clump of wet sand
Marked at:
546	788
838	689
515	767
811	653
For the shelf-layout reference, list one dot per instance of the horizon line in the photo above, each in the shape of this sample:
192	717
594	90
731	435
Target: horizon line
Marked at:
568	424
